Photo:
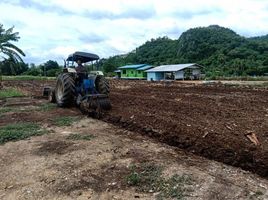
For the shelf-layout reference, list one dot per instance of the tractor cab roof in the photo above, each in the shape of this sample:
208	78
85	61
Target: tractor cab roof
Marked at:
83	56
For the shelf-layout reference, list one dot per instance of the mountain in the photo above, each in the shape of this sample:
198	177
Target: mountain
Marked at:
222	51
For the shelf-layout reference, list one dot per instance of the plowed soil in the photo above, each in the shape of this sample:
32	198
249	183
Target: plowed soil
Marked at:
209	120
213	121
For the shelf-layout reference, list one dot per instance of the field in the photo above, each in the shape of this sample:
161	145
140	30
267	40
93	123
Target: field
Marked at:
159	141
208	120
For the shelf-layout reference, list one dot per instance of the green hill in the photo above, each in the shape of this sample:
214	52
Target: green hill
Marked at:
222	51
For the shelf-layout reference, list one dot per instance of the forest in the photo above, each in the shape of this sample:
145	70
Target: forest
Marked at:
220	50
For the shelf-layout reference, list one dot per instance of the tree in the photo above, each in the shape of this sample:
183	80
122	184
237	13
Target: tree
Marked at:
50	68
8	51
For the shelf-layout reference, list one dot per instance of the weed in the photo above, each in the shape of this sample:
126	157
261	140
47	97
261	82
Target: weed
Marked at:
133	179
10	92
47	107
148	178
256	195
77	136
174	187
259	193
19	131
27	78
5	110
65	121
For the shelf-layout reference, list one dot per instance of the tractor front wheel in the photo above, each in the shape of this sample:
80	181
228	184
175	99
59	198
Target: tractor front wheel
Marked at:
65	90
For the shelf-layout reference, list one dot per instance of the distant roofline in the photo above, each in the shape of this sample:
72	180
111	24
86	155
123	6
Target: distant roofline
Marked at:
137	66
180	66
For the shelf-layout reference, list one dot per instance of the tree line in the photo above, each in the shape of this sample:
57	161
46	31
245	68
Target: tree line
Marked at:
220	50
50	68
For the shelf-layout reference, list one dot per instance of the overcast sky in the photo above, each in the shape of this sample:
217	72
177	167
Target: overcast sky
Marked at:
53	29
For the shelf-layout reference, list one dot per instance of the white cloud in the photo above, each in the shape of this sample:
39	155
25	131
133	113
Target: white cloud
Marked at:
53	29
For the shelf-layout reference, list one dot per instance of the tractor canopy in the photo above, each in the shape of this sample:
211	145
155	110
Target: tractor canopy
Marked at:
83	56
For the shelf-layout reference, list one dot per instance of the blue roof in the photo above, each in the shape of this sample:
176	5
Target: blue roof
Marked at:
132	66
145	67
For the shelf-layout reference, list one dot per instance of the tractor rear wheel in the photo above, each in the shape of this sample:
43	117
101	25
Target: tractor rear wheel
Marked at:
65	90
102	85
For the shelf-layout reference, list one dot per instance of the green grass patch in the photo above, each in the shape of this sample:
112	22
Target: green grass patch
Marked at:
149	178
47	107
65	121
6	109
77	136
26	78
238	78
10	92
19	131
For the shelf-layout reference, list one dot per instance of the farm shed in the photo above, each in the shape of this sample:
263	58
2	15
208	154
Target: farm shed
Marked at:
174	72
134	71
118	73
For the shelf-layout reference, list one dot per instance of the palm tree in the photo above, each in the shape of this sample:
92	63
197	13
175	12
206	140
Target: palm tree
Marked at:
9	51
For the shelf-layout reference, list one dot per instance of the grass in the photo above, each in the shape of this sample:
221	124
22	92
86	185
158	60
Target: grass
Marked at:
77	136
239	78
6	109
26	78
148	178
19	131
256	195
47	107
43	108
65	121
10	92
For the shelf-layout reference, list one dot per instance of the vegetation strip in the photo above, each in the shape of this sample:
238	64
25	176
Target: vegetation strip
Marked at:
19	131
77	136
10	92
148	177
65	121
26	78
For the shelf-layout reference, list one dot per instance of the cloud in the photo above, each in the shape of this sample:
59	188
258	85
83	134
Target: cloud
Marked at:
188	14
91	38
53	29
135	13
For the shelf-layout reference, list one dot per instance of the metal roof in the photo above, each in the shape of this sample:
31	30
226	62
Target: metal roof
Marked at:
173	68
145	67
132	66
117	71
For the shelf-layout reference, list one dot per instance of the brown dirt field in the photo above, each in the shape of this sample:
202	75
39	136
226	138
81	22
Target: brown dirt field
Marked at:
52	166
210	121
207	120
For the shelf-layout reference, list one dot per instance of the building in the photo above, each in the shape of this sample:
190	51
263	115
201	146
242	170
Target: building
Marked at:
118	73
134	71
174	72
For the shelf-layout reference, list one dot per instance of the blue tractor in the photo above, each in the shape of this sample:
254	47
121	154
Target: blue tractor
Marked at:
88	91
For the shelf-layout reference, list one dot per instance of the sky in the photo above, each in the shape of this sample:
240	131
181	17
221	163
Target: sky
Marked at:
53	29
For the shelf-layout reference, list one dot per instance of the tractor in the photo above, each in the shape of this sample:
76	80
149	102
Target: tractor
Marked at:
88	91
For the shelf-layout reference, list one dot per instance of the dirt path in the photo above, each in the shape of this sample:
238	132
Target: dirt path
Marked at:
54	167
